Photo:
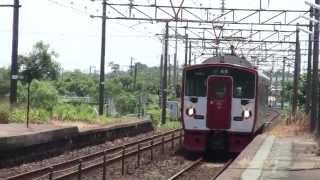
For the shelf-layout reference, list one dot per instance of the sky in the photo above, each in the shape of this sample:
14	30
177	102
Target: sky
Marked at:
66	26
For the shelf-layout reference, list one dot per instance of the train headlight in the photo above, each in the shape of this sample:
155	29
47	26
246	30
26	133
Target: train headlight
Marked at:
246	114
191	111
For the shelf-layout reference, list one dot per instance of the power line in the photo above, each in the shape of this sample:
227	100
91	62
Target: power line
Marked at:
70	7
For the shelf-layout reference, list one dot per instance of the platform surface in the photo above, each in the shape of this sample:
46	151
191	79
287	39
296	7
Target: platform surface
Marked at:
10	130
272	157
18	135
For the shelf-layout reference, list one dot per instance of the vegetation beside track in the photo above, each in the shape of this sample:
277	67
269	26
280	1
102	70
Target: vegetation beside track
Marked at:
128	91
71	96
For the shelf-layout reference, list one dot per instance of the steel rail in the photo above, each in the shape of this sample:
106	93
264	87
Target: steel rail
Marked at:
231	160
113	159
184	170
225	166
64	165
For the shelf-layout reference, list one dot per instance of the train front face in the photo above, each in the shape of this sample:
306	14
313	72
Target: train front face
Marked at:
218	108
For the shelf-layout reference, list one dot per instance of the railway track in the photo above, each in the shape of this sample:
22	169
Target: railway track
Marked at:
200	169
78	166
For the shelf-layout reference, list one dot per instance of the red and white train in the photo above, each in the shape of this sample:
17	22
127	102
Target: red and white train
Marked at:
224	104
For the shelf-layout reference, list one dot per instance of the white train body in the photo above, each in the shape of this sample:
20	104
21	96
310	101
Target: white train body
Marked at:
224	104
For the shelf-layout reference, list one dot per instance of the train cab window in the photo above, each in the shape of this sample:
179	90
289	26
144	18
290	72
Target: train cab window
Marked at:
219	90
243	81
243	84
238	91
196	83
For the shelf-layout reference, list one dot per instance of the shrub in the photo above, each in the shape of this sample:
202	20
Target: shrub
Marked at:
36	115
82	112
125	103
43	95
171	125
155	114
4	113
4	81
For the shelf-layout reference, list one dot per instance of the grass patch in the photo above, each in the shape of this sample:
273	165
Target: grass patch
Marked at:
170	125
4	113
63	114
81	112
38	116
155	115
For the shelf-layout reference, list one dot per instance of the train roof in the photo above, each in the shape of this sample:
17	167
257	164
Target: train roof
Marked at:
229	59
235	61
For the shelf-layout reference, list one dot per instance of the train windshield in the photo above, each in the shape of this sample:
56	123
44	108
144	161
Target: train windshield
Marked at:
243	81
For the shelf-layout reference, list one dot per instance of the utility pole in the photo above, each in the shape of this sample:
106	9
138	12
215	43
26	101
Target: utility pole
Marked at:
131	66
164	88
102	62
189	52
169	72
288	74
315	79
175	59
161	81
135	75
271	78
186	51
308	83
282	82
14	55
296	75
260	4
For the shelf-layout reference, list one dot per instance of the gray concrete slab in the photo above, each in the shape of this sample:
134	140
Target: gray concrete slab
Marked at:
279	160
257	164
240	164
284	158
14	136
19	144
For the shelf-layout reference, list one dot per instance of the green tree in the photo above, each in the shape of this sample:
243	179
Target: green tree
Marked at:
4	81
44	95
288	91
125	103
115	68
77	83
39	64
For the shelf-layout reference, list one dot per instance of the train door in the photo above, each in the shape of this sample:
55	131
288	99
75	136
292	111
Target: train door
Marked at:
219	97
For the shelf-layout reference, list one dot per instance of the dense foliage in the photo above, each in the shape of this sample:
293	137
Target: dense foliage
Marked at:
288	91
78	84
4	81
39	64
43	94
127	92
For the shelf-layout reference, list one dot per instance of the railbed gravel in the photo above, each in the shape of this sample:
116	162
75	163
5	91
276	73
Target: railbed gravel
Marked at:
7	172
162	167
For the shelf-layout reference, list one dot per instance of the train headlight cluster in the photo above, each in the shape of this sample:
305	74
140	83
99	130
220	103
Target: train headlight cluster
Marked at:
246	114
191	111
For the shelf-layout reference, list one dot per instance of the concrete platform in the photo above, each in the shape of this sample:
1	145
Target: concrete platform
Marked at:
14	136
19	144
270	157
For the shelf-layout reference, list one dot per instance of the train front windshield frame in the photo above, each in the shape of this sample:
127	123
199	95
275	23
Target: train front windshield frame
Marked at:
243	81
